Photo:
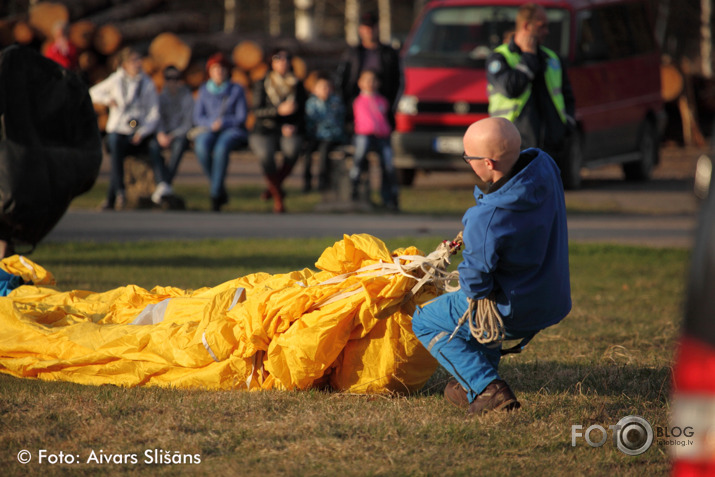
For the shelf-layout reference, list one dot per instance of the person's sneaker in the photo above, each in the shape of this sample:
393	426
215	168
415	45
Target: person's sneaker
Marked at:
121	202
106	206
455	393
496	397
161	190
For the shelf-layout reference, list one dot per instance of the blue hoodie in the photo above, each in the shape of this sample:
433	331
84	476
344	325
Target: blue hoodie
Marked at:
516	244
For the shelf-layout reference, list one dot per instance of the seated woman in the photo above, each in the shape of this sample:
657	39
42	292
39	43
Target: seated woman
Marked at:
279	108
220	115
133	118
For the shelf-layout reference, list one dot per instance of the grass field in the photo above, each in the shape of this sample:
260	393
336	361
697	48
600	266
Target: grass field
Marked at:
417	200
609	359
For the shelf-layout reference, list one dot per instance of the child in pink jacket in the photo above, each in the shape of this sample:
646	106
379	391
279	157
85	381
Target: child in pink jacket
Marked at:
372	133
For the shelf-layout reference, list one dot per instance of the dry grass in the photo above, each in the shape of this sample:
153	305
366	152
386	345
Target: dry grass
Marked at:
610	358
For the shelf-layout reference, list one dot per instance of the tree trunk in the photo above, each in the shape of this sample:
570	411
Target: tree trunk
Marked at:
385	15
671	82
706	38
107	39
230	16
247	55
274	17
352	15
81	8
304	25
125	11
81	34
45	15
168	49
110	37
23	33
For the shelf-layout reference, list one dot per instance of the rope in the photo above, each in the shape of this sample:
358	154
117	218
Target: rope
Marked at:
485	322
422	269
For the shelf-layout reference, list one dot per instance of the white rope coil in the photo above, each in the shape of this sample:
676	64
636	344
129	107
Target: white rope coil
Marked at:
485	323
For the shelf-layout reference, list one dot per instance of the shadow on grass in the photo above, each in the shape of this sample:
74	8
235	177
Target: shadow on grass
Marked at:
555	377
589	378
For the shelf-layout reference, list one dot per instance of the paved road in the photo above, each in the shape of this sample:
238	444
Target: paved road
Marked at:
660	213
672	230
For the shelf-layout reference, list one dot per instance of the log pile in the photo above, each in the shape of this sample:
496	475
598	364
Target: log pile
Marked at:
100	28
677	87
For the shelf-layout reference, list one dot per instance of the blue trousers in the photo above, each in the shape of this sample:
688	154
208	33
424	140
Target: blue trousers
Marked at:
389	189
212	151
162	172
471	363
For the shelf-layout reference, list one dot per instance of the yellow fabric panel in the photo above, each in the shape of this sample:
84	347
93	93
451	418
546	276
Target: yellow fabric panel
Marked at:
29	271
288	331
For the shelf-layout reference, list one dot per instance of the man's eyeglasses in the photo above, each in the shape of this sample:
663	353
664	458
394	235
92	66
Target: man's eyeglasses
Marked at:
280	57
473	158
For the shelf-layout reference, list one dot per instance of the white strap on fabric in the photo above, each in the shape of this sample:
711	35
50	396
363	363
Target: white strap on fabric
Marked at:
208	348
27	265
238	297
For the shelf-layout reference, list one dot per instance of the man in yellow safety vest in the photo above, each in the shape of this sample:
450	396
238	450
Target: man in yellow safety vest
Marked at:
529	86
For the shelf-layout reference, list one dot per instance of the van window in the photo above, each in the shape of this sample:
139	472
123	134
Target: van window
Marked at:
465	36
613	32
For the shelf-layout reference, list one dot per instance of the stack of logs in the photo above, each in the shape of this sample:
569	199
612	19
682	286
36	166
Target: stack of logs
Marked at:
100	28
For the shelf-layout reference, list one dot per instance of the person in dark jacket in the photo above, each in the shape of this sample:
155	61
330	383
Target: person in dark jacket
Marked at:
515	264
528	85
279	107
370	54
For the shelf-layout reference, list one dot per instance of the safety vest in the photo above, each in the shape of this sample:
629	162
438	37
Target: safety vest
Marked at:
510	108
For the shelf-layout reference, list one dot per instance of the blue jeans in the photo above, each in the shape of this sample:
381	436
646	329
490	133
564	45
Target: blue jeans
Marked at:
120	147
162	173
473	364
389	189
212	151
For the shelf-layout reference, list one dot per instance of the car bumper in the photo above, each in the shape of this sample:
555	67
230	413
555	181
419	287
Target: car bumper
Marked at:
430	150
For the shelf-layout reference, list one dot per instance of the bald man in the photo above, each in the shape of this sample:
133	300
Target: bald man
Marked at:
515	255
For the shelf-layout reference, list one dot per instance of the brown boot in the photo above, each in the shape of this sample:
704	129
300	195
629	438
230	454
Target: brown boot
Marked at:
455	393
496	397
276	193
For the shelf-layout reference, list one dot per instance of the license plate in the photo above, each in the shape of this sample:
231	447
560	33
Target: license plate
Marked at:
448	144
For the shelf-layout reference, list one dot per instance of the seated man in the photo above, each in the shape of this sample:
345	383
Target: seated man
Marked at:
515	259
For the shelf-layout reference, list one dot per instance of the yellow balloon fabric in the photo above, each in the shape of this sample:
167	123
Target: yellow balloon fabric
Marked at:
346	326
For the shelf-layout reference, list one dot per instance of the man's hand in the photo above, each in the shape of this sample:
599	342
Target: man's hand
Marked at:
217	125
163	139
136	138
286	108
288	130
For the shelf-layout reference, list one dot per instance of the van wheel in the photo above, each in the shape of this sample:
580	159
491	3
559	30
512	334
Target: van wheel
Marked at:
642	169
406	177
572	163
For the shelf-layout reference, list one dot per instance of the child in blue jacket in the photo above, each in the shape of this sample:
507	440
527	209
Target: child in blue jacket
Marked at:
515	257
325	130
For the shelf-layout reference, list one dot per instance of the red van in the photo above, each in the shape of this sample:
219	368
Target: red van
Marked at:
611	58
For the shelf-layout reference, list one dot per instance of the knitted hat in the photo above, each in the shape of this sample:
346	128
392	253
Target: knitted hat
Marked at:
217	58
